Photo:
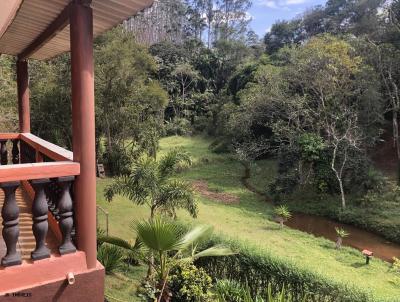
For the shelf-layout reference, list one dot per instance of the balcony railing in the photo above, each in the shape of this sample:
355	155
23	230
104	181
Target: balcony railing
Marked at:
46	172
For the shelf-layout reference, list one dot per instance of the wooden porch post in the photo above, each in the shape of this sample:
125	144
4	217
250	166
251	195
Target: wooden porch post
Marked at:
23	97
83	127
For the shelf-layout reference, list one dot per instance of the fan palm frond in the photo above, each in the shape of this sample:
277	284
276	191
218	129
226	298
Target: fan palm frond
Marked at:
115	241
195	235
215	251
159	234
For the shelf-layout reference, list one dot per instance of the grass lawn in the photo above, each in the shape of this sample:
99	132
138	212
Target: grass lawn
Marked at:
248	219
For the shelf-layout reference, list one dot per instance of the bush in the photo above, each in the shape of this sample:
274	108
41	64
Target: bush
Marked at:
307	165
190	284
202	124
258	269
220	146
110	257
229	291
178	126
117	161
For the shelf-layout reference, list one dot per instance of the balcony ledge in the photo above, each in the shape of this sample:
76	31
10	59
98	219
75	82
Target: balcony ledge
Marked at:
48	278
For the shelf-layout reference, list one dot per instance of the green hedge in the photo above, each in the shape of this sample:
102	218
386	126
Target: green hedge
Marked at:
257	268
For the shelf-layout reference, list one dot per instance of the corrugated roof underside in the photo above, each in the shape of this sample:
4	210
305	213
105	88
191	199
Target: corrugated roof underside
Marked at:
34	16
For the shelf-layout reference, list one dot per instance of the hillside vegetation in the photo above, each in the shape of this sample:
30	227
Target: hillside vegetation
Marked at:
238	213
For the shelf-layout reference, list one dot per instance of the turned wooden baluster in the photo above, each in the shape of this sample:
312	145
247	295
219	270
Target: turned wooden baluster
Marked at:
15	152
39	216
10	215
52	197
3	152
65	212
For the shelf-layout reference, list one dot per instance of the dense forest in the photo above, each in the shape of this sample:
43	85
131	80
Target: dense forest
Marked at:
320	93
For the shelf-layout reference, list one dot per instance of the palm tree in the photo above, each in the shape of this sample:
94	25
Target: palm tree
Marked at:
151	183
341	233
282	214
172	246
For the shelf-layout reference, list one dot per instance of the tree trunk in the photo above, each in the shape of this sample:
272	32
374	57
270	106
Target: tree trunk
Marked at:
150	269
396	142
109	147
339	175
339	243
342	193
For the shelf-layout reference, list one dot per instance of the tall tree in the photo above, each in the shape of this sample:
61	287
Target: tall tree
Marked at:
8	95
129	102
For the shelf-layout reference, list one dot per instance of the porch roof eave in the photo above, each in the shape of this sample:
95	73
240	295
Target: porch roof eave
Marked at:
39	29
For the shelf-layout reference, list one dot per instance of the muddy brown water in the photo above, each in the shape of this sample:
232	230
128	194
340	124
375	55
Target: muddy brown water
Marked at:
323	227
358	238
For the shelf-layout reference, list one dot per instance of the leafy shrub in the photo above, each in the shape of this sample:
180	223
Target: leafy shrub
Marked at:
117	161
375	181
178	126
258	268
131	252
190	284
110	257
308	165
288	176
202	124
147	292
311	146
284	184
220	146
229	291
100	233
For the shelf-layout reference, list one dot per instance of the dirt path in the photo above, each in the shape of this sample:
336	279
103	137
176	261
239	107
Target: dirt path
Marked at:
201	186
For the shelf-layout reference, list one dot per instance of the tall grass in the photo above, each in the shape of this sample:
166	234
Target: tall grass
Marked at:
259	269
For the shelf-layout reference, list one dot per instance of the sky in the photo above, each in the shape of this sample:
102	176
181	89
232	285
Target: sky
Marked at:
264	13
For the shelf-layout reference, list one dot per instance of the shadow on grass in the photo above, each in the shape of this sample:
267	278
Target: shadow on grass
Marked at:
276	227
358	264
328	244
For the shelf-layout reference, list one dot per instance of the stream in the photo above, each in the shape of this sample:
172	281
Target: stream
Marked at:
324	227
358	238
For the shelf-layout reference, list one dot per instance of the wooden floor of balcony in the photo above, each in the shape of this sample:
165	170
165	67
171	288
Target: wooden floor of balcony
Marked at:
26	242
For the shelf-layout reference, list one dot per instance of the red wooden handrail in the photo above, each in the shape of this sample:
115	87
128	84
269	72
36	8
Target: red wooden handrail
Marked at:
52	151
38	171
44	147
8	136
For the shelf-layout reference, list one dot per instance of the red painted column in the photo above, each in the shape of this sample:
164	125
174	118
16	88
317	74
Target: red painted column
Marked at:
23	97
83	127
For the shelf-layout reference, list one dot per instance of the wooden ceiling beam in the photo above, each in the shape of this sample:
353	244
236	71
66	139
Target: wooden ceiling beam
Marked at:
50	32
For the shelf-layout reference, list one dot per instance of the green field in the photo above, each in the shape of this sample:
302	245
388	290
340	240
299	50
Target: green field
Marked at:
248	218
